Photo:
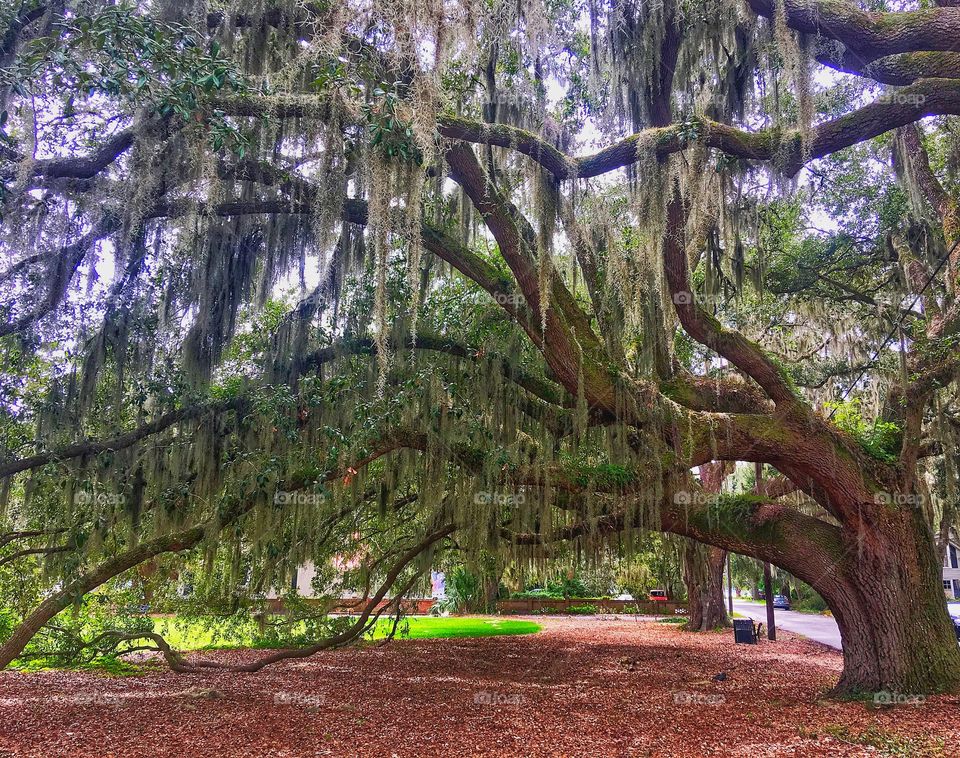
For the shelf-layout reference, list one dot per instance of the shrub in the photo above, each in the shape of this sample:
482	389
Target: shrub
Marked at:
582	610
880	439
811	602
463	590
537	594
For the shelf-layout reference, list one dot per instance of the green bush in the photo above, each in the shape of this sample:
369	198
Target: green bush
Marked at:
561	587
537	594
810	602
7	622
463	590
879	439
569	588
582	610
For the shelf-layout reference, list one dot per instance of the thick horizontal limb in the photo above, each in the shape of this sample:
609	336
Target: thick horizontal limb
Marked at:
869	35
890	111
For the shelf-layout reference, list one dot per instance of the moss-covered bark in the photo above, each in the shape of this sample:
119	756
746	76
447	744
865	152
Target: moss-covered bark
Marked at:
703	576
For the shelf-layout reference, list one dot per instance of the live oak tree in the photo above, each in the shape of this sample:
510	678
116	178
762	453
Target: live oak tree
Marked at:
362	252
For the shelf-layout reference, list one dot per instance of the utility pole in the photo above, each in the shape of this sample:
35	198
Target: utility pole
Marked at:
768	591
729	569
729	585
767	574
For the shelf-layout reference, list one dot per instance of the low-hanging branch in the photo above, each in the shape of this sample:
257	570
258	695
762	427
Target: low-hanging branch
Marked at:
119	442
761	526
540	388
62	266
28	551
365	621
544	389
899	70
6	539
732	345
80	167
175	542
303	196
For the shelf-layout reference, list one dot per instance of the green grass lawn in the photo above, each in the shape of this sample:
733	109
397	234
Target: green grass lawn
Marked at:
205	636
217	634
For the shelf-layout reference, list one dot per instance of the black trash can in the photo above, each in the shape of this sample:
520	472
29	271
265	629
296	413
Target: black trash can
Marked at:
743	631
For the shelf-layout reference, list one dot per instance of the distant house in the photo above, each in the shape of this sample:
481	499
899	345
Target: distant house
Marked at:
951	567
303	582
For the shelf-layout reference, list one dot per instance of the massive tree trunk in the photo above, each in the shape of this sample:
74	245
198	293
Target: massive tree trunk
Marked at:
703	565
880	577
703	575
888	600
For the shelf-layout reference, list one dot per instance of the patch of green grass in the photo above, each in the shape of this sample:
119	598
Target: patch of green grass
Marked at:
203	636
107	666
430	627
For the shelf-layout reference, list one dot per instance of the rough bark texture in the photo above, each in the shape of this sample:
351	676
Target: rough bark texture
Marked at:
703	566
887	598
703	575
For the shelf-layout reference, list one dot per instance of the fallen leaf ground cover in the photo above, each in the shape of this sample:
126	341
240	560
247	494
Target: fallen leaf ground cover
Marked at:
582	686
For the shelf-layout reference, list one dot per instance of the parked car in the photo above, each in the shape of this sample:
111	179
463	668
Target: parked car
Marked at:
954	610
659	596
782	602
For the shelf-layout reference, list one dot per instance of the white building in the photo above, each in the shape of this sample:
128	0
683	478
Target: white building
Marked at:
302	582
951	567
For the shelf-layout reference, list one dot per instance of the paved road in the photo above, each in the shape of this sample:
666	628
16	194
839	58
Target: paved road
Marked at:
819	628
